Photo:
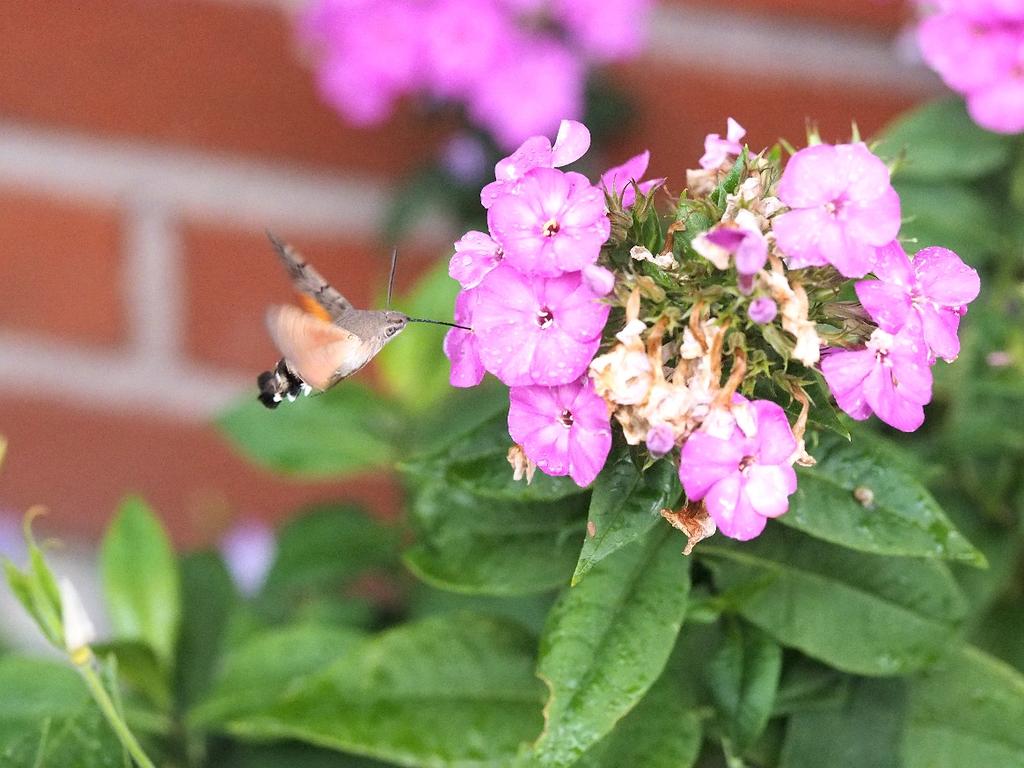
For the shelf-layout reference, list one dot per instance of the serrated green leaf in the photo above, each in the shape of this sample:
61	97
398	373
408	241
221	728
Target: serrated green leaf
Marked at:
346	431
412	367
140	580
447	692
485	546
863	495
267	666
864	614
624	506
863	733
662	731
743	677
940	142
968	711
606	641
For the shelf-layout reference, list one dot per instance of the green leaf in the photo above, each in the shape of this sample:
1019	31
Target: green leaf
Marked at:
413	368
807	686
968	711
955	217
36	588
485	546
625	505
478	462
267	666
48	719
864	733
208	600
861	613
447	692
662	731
342	432
743	677
140	579
138	666
326	548
864	496
607	640
941	142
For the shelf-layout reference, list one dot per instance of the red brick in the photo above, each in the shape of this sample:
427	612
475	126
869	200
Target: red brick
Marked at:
882	15
60	271
674	110
221	76
232	277
80	463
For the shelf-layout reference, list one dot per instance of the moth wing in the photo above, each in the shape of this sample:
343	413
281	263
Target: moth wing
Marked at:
316	350
310	282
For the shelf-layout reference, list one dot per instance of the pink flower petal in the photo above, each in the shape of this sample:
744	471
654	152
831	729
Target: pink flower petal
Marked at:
774	441
476	254
768	488
888	405
810	178
887	303
704	461
944	278
571	144
940	331
730	508
801	233
845	371
999	106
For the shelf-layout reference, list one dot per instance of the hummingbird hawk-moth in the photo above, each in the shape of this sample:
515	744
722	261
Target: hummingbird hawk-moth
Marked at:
321	347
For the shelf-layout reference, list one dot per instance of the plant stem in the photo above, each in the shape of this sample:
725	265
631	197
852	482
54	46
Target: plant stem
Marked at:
106	705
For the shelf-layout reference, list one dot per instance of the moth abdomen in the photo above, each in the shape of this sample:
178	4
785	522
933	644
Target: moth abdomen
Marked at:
279	384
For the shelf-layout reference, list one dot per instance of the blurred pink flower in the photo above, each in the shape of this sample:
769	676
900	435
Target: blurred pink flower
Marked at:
565	430
461	347
748	476
534	83
717	150
461	40
978	50
249	549
890	377
607	30
556	222
535	330
931	291
842	206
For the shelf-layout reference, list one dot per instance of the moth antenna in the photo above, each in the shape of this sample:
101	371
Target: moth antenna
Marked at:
391	276
439	322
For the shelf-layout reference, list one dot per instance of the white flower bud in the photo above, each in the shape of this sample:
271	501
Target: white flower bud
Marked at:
79	631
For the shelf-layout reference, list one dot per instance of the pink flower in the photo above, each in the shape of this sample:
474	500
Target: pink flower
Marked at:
460	41
571	144
248	550
476	254
535	330
555	223
932	291
746	478
618	180
372	53
978	50
565	430
762	310
717	150
842	208
748	246
605	29
461	347
890	378
534	83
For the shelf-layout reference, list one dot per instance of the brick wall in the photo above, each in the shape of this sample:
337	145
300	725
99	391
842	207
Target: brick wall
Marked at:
146	144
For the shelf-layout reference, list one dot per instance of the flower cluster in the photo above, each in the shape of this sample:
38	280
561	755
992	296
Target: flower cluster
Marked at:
977	47
531	290
517	66
693	336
